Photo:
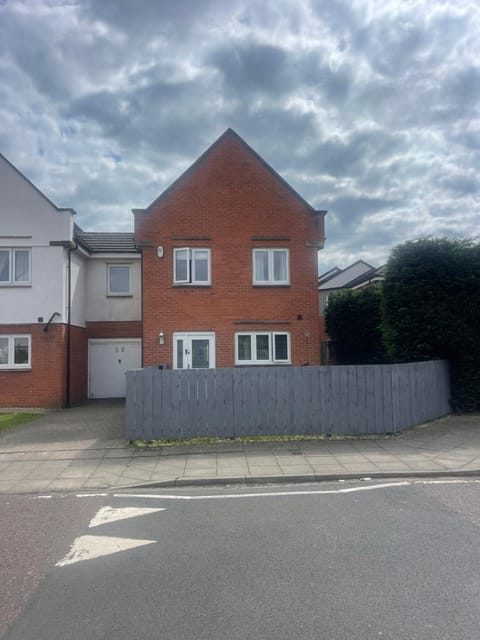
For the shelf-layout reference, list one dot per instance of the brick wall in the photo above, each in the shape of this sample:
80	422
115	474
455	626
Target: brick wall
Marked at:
119	329
231	198
78	364
45	384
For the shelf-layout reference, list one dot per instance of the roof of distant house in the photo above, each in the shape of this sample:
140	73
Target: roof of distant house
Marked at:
344	277
105	242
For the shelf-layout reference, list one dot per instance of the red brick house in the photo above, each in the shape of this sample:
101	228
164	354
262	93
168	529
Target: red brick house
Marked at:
229	266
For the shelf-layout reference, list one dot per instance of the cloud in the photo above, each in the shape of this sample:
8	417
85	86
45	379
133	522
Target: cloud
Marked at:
368	109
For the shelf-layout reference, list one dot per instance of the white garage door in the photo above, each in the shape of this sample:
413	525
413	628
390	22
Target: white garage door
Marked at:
108	360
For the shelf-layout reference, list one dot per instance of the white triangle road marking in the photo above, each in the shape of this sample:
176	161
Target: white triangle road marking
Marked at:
110	514
91	547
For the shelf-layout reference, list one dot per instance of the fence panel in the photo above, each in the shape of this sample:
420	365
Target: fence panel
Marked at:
254	401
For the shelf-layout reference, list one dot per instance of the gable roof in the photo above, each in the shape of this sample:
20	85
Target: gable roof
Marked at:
35	188
229	133
346	276
328	275
105	242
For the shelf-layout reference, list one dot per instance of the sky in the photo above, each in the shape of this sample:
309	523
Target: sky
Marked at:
370	109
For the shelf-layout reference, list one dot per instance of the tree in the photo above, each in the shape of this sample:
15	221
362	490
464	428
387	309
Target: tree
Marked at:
353	319
431	309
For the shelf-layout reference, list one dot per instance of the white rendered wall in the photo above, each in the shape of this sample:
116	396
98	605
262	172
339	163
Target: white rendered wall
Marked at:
104	308
28	219
78	291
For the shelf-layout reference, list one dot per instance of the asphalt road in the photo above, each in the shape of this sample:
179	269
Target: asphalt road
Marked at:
313	561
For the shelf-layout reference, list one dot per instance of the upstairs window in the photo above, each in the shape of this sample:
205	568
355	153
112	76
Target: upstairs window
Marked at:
15	266
191	266
270	267
119	280
262	348
15	352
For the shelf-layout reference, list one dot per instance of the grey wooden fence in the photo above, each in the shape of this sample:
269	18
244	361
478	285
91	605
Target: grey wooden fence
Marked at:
252	401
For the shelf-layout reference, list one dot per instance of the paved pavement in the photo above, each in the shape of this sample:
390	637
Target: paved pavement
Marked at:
83	449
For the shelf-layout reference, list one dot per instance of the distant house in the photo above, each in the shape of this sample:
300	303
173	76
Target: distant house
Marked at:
229	266
356	275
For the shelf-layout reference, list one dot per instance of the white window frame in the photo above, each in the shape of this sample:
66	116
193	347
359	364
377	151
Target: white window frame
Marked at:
270	282
119	293
271	345
191	276
11	282
11	351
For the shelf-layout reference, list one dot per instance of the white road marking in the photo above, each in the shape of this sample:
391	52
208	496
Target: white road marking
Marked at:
91	495
109	514
266	494
91	547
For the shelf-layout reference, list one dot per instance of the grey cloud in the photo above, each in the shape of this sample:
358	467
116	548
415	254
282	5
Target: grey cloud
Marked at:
152	17
252	66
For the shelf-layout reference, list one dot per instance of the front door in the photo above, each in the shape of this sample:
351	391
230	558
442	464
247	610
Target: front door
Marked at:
194	350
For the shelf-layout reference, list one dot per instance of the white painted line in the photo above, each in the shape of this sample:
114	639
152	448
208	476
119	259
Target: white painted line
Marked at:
91	547
269	494
459	481
91	495
43	497
109	514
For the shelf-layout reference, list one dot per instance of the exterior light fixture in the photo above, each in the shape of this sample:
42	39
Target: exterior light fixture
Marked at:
161	337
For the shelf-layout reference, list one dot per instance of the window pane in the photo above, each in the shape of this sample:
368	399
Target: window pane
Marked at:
244	347
179	354
4	266
200	265
3	350
263	347
200	354
181	265
20	347
21	265
281	346
261	266
280	266
119	279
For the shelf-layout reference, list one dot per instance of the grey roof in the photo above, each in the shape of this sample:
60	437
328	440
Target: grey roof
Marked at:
328	275
345	277
105	242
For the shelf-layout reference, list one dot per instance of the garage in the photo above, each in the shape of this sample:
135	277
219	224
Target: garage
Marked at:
108	360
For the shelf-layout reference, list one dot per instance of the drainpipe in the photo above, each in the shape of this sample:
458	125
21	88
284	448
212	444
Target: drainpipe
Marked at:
69	318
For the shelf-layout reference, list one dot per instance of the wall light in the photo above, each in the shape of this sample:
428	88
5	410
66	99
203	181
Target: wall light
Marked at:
161	337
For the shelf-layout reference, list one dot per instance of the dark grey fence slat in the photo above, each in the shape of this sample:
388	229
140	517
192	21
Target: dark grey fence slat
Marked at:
284	400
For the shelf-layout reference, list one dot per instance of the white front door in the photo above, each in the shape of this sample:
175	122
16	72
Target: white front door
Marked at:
108	360
194	350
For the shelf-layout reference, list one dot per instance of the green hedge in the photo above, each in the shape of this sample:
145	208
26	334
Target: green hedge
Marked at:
431	309
353	321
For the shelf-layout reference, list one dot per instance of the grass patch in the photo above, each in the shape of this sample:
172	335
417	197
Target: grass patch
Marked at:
8	420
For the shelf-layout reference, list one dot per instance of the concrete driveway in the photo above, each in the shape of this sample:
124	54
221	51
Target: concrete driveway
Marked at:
94	424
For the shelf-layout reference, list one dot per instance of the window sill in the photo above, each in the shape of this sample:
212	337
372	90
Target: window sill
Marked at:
14	285
119	295
185	285
282	285
262	364
9	369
